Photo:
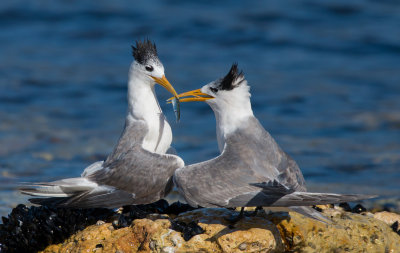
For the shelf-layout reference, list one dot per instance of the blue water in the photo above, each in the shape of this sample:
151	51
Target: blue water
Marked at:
325	79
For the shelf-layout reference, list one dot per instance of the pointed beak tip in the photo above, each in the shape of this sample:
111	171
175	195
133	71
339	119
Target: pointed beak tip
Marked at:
191	96
163	81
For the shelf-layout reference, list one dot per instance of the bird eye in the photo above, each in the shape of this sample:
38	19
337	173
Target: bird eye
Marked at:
213	89
149	68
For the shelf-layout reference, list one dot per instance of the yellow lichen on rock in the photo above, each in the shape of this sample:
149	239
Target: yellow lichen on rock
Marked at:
102	238
347	233
275	232
250	234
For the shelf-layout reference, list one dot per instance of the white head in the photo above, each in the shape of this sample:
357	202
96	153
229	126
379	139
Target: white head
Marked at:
147	67
229	94
229	98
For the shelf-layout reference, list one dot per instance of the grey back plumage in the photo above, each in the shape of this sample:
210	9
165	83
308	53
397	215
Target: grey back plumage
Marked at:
252	171
133	169
129	175
250	156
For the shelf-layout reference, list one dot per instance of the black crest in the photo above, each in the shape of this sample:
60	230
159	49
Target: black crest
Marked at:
230	81
144	51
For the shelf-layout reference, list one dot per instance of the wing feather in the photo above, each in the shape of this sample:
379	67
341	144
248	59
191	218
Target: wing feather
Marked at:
252	170
139	171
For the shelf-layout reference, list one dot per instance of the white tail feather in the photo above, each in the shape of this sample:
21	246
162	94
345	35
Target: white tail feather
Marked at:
61	188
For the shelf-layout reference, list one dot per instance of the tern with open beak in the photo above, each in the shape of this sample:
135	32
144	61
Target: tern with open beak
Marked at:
138	171
252	170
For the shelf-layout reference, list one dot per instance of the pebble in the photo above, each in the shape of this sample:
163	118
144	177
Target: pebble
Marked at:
152	245
100	222
242	246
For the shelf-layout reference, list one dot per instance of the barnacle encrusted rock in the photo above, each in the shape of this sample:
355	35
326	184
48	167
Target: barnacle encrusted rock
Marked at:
275	232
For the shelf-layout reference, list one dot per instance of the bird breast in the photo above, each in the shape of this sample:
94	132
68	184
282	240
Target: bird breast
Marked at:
159	136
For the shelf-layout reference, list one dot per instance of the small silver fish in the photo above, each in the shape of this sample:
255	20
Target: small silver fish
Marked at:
177	108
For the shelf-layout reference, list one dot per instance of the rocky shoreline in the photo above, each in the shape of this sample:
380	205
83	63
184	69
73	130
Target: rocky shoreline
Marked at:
161	227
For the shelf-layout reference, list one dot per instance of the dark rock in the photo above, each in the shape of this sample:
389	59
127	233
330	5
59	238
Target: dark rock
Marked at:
188	230
191	230
317	208
4	219
177	208
395	226
115	224
30	229
358	209
123	222
156	207
346	207
195	228
389	207
178	226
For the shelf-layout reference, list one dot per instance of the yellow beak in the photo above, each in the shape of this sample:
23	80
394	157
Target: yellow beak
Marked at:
164	83
197	96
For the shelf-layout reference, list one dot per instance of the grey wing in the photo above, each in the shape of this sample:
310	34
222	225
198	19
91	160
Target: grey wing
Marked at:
290	174
267	159
251	157
211	184
146	175
251	171
216	182
225	182
130	175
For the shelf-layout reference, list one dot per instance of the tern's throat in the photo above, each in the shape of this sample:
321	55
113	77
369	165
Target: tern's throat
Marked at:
142	100
230	117
143	105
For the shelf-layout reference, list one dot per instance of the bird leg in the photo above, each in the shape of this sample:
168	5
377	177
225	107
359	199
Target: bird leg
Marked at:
235	218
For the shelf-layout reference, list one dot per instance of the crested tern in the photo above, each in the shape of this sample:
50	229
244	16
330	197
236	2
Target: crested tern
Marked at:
252	170
138	171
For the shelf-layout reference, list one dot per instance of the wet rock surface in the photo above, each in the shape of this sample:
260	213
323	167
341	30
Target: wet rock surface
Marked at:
160	227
